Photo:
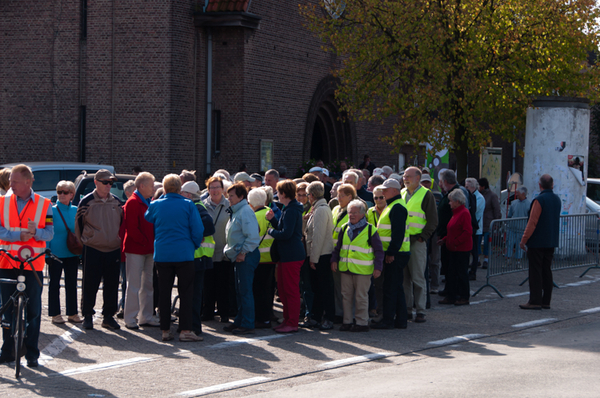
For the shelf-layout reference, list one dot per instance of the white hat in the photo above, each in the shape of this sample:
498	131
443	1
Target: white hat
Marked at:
396	176
190	187
377	171
425	177
326	172
391	183
243	176
316	169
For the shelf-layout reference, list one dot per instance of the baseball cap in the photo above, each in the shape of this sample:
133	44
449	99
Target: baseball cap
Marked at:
377	171
425	177
396	176
391	183
104	174
243	176
257	176
426	169
316	169
190	187
326	172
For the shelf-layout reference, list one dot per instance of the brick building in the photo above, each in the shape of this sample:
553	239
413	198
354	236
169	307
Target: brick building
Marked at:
174	84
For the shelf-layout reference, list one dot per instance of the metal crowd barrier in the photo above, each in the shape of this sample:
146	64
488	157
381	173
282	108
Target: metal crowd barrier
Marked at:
579	244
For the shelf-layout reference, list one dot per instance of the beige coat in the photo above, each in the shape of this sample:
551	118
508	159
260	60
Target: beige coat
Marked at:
319	231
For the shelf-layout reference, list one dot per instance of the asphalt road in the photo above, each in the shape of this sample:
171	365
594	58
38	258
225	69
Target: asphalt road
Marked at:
490	348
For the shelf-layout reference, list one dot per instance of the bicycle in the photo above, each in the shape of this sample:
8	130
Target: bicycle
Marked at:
19	298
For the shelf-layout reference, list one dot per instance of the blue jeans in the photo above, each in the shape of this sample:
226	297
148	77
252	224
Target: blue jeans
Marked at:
486	244
34	312
244	277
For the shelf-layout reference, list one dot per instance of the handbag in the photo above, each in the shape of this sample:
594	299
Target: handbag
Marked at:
73	243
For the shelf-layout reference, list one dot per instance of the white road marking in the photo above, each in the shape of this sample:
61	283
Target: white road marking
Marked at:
226	344
516	294
222	387
590	310
59	344
580	283
457	339
106	366
533	323
356	359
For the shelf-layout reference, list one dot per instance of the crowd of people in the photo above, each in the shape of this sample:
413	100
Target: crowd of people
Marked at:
365	252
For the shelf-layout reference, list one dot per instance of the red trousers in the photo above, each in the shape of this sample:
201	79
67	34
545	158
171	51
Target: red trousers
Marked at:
288	287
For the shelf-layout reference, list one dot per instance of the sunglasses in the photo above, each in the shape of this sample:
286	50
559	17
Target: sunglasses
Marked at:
63	192
378	197
105	182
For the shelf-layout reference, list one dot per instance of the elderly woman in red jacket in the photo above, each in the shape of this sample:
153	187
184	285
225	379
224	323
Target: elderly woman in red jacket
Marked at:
459	242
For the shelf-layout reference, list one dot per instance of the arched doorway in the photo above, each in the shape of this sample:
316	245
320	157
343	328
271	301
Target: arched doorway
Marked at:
328	135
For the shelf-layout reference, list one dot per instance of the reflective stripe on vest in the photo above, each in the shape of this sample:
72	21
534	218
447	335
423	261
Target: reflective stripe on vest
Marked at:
372	216
356	255
337	226
11	221
265	246
385	228
416	216
207	247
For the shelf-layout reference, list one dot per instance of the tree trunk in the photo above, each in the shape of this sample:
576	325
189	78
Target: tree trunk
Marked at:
461	152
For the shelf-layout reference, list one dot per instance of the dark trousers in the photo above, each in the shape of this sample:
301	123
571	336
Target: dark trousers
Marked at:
322	285
34	313
457	276
100	266
540	275
217	289
262	287
123	284
55	269
185	271
394	302
306	289
475	253
444	259
199	269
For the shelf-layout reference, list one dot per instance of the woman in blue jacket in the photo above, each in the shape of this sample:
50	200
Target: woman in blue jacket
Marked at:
242	249
64	213
178	232
287	232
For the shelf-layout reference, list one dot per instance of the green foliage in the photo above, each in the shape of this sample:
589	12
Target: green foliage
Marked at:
452	72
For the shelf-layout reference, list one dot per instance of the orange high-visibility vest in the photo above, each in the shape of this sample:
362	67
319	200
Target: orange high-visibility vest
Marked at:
13	221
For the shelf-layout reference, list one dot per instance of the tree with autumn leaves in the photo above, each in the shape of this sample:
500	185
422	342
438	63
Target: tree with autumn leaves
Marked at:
453	72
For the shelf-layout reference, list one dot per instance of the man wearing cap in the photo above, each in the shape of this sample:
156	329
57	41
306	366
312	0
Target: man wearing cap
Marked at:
203	254
393	231
258	180
26	220
97	224
422	222
242	176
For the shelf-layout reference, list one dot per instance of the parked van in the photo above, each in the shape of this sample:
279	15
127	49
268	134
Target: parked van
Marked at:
47	174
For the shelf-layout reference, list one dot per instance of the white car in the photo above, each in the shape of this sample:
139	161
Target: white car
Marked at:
47	174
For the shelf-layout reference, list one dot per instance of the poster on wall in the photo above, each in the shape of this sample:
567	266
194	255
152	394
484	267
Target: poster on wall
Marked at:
491	168
576	166
266	155
436	163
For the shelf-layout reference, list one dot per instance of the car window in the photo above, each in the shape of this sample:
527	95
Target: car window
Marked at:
71	175
593	192
45	180
118	191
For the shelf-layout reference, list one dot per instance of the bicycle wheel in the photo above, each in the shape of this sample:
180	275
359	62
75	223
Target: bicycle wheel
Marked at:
19	333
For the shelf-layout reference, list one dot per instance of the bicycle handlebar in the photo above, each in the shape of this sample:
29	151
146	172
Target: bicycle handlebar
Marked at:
30	260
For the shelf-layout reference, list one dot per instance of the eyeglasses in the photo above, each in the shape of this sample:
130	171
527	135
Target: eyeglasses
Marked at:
378	197
215	187
105	182
63	192
301	195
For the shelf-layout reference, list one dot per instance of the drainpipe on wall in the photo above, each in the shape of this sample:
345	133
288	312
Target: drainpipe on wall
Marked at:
112	83
209	70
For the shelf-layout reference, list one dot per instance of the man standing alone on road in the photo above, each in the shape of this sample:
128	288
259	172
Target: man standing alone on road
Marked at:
541	237
97	225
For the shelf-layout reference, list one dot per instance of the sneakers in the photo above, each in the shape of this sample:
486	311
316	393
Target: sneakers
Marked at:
326	325
58	319
190	337
110	323
88	322
420	318
240	331
132	326
287	329
74	319
151	323
484	265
